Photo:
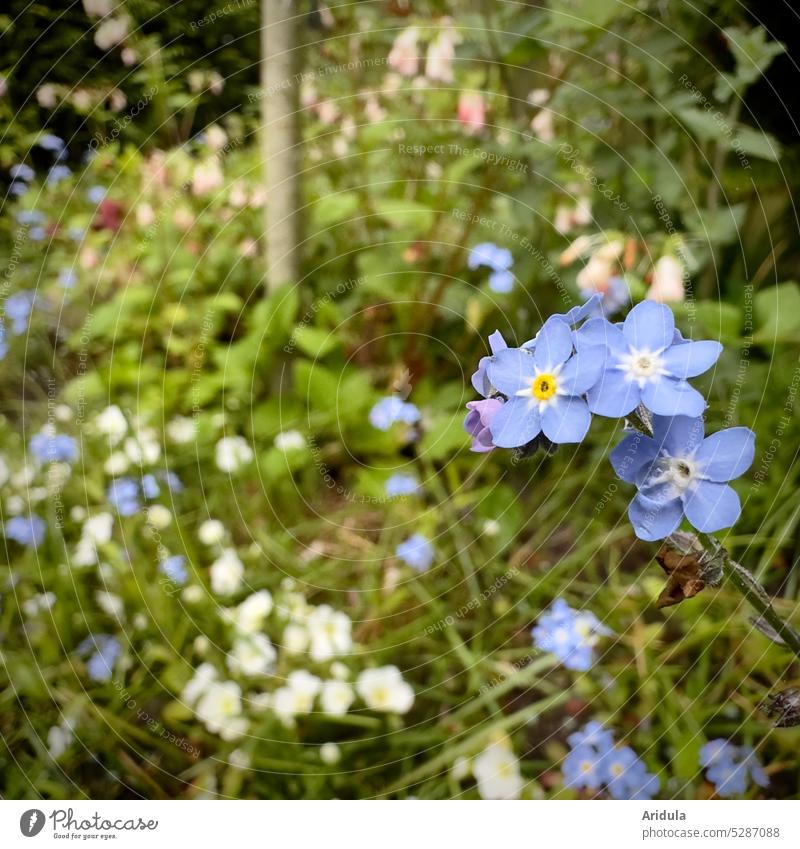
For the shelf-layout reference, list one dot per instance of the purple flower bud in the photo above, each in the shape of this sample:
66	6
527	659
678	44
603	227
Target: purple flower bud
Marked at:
477	422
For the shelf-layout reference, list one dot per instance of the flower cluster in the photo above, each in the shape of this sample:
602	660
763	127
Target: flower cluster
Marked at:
729	767
570	635
499	260
594	762
580	365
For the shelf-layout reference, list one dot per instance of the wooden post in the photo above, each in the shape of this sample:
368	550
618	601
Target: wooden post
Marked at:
280	84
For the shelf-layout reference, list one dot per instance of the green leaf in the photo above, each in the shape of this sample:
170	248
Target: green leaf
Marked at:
717	320
756	143
444	437
406	214
314	341
778	314
717	226
333	209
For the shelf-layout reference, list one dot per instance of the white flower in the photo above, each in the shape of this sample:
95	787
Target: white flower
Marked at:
441	52
232	452
110	603
336	697
143	448
204	676
252	655
58	739
117	464
297	696
216	137
385	690
39	602
47	96
111	423
98	528
329	630
249	616
497	772
239	759
329	754
77	514
339	671
491	527
220	708
159	516
290	440
98	8
110	32
181	430
207	177
14	505
295	638
211	531
227	572
192	594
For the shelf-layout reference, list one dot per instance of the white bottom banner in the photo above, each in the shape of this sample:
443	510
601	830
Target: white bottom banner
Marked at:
403	825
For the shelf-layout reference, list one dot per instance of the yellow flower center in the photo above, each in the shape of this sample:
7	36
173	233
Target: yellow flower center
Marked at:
543	386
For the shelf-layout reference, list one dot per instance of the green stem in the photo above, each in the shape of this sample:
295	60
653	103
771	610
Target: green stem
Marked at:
746	583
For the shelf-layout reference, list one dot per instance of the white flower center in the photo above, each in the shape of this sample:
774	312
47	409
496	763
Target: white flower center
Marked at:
642	365
679	472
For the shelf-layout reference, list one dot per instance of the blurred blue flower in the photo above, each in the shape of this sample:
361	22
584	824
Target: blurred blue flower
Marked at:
678	473
37	234
627	776
499	260
3	342
67	277
76	234
417	552
28	217
18	308
26	530
95	194
583	769
570	635
123	495
150	487
175	568
544	388
57	174
595	762
400	484
730	767
51	142
616	296
18	188
23	172
173	482
393	409
54	447
647	364
106	651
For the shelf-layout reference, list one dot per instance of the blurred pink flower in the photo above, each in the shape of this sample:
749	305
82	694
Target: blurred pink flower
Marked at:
441	52
403	55
472	111
207	177
667	283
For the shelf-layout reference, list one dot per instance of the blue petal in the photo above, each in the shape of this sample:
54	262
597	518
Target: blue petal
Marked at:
497	342
613	395
511	370
553	344
598	331
712	506
688	359
649	326
654	520
583	370
635	451
727	454
515	423
567	420
678	435
669	397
